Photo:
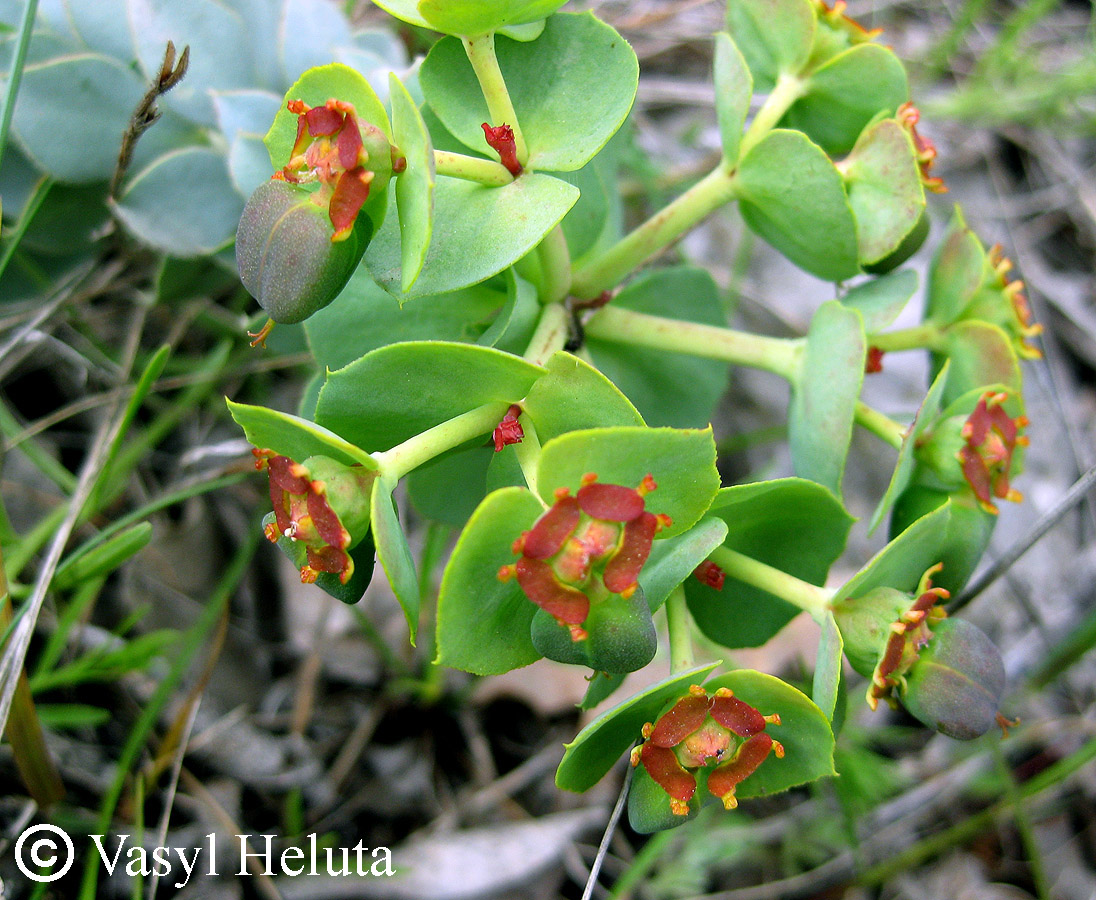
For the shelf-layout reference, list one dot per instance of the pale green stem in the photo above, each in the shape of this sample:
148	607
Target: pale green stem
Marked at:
527	451
422	448
807	596
926	335
471	168
677	625
787	90
778	355
781	356
609	268
550	336
481	53
555	267
880	424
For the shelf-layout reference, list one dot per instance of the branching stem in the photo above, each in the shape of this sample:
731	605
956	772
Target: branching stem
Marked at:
807	596
609	268
471	168
778	355
481	53
422	448
677	624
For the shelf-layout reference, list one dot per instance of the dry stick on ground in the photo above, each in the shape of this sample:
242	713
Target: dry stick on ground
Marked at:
146	113
172	788
1002	564
603	848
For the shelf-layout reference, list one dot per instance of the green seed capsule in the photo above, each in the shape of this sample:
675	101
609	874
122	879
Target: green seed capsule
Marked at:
955	686
620	636
285	254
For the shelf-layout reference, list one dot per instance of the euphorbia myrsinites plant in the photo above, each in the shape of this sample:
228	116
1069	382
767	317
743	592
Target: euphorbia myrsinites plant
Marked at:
489	341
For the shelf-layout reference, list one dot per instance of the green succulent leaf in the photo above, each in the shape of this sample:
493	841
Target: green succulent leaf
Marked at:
483	623
968	533
472	17
415	186
292	436
393	552
517	320
404	10
224	62
827	667
681	461
823	407
845	93
573	396
595	749
448	489
803	730
927	415
956	272
588	220
572	88
791	194
672	389
401	390
484	230
184	203
602	686
981	355
733	90
315	87
673	560
883	181
792	524
901	563
93	96
365	317
880	300
775	36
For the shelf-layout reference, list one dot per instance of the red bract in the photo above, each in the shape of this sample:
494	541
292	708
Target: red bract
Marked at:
509	430
710	574
992	437
329	149
908	117
717	731
907	637
873	363
584	548
500	138
320	503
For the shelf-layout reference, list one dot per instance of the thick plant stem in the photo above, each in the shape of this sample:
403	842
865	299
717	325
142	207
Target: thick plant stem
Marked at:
609	269
778	355
927	335
807	596
481	53
788	89
555	267
422	448
24	731
781	356
677	624
471	168
880	424
550	336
